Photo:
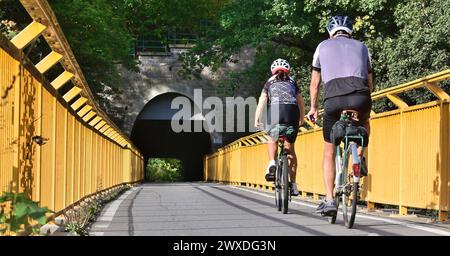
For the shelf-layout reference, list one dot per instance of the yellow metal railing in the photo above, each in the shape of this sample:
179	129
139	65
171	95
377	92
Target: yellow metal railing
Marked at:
408	155
56	148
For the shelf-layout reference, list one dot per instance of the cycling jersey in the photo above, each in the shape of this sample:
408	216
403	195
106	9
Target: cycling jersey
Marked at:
282	104
344	64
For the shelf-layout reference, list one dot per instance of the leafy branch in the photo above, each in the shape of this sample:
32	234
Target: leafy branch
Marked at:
21	214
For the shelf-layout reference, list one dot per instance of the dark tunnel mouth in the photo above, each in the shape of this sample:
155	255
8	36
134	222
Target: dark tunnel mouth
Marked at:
156	139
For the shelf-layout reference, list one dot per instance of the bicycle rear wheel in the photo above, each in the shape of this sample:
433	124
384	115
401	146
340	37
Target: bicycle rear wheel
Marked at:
284	183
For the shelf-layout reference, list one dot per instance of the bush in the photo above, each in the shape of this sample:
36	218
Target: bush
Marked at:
160	169
22	213
80	217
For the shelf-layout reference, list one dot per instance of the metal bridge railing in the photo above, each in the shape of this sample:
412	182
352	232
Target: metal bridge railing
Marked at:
145	45
163	45
408	155
57	148
182	38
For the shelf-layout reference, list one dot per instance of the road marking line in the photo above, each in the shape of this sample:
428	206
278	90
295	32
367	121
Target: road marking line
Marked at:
413	226
96	233
111	211
101	226
105	219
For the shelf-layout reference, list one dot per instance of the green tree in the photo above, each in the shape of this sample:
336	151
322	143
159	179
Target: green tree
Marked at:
100	39
153	17
407	39
164	169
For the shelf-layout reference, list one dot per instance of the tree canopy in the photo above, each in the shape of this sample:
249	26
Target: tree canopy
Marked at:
407	39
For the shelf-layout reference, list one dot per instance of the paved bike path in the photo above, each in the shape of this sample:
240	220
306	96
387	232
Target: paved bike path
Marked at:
207	209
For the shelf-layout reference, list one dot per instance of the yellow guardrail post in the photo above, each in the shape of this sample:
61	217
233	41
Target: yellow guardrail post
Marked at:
28	35
444	156
49	61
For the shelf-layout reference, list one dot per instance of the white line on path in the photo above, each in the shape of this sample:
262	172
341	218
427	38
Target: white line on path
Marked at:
111	211
96	233
413	226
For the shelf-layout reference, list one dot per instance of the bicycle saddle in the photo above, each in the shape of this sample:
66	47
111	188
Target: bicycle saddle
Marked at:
352	114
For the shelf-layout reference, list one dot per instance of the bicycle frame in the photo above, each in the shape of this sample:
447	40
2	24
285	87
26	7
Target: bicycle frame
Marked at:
281	152
350	149
346	183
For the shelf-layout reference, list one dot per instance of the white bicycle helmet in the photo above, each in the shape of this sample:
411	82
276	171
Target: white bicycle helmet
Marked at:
280	64
339	22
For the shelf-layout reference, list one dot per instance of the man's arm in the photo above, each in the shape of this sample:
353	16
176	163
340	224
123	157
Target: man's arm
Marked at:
301	106
314	89
370	74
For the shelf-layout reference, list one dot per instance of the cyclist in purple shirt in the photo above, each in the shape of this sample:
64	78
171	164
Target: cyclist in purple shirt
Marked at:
343	65
285	114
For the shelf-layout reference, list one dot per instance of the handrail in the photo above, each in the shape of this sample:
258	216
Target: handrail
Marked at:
428	82
41	12
418	83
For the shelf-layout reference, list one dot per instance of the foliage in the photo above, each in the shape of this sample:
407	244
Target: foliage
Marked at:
76	221
407	39
164	169
23	212
100	39
8	28
79	217
156	18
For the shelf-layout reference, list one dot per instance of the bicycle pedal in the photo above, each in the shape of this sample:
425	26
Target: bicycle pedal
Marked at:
270	177
329	214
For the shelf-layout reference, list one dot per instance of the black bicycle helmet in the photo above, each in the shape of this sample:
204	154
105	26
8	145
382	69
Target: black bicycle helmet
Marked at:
338	23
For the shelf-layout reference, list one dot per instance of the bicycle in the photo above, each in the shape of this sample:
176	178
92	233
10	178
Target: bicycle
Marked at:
281	183
347	181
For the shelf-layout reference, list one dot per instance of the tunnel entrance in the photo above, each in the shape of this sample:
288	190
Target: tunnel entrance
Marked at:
153	135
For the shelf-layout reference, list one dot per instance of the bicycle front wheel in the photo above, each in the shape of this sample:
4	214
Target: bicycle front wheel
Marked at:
284	184
349	202
278	199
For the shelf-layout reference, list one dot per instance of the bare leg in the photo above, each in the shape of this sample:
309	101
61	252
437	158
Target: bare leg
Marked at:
329	168
272	149
292	159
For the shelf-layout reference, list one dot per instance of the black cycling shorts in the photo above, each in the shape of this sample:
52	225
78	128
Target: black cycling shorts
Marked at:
359	101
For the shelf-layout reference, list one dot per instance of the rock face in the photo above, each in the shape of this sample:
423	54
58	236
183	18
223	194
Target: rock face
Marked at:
158	74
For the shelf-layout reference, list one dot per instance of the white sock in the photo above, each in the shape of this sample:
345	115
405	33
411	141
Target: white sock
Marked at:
272	162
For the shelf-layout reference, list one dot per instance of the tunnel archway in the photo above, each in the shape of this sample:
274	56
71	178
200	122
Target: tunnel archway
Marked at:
152	133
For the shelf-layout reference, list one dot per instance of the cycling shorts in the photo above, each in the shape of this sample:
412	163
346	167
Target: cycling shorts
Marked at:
288	131
359	101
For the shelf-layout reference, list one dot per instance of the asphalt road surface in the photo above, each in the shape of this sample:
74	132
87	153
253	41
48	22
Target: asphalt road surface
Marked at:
208	209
